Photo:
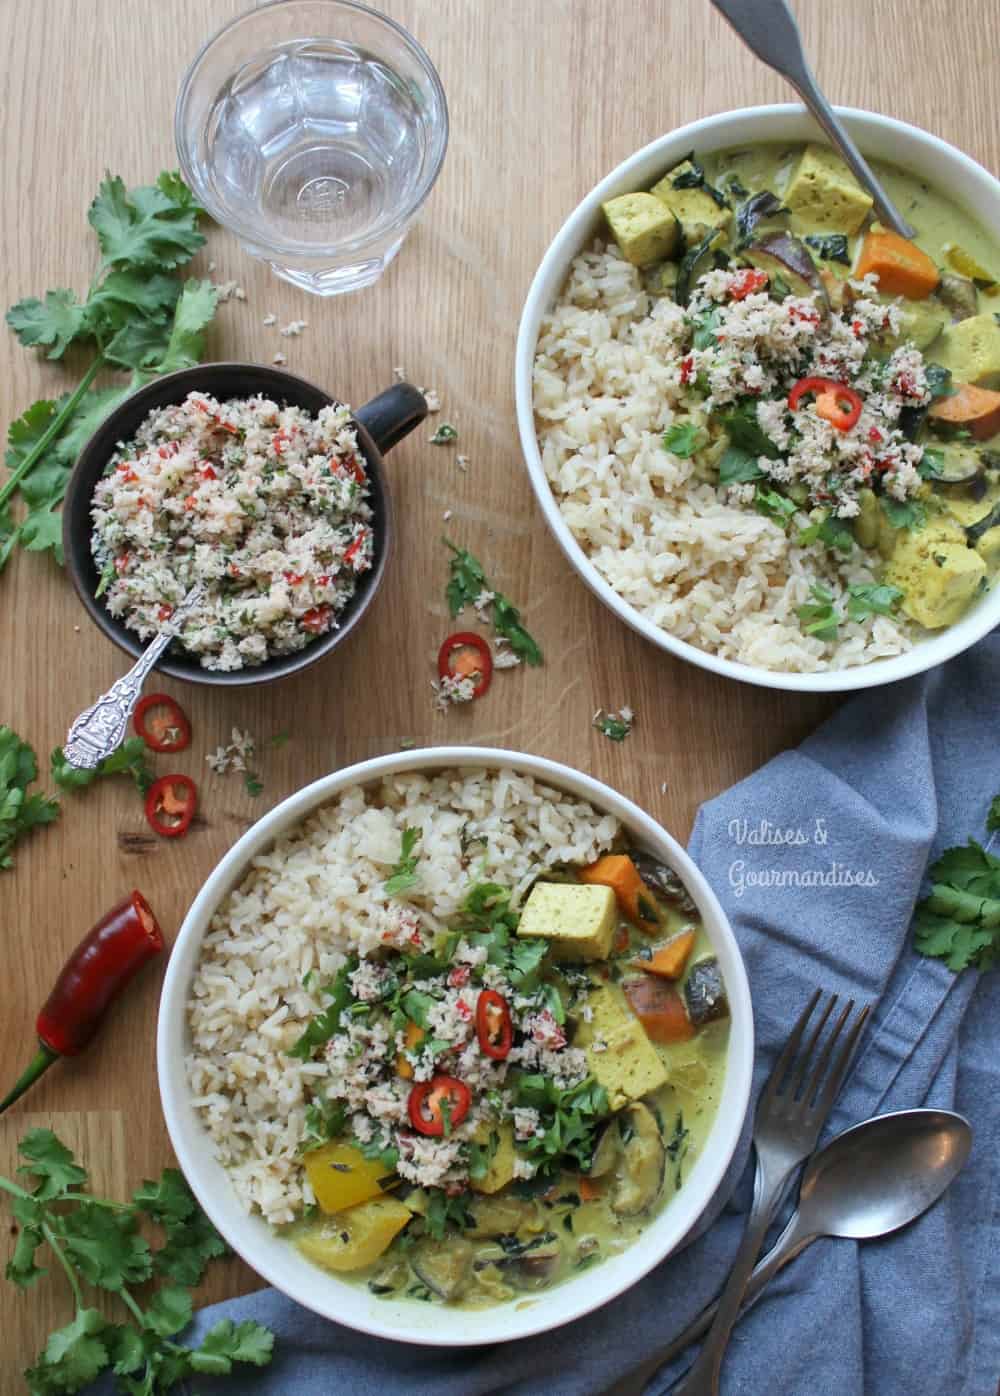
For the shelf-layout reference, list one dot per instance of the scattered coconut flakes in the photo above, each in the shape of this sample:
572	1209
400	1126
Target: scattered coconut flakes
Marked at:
432	399
211	266
663	788
230	290
462	462
452	689
278	359
407	743
503	656
294	328
270	318
482	604
399	373
234	755
446	515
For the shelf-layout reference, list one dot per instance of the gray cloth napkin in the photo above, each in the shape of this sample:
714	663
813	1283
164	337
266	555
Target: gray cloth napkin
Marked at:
897	775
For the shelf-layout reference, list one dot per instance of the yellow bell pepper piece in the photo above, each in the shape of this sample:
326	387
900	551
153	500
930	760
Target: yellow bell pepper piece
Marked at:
413	1037
341	1176
356	1238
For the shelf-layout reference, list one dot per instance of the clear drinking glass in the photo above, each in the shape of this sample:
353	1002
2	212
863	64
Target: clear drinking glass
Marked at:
313	130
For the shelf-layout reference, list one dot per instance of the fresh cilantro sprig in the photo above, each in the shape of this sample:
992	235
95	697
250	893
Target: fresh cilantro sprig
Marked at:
129	759
136	315
404	873
325	1024
19	811
818	616
467	582
960	921
614	726
97	1242
683	438
569	1121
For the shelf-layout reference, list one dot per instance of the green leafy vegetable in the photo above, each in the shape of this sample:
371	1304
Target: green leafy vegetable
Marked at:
835	533
323	1027
677	1147
865	600
774	505
19	811
938	381
404	872
689	265
252	783
97	1242
705	325
467	582
993	818
738	467
832	247
818	616
903	513
931	464
136	316
683	439
569	1121
960	921
746	432
444	434
694	178
129	759
614	726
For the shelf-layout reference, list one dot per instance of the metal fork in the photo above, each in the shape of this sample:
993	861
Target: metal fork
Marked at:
791	1112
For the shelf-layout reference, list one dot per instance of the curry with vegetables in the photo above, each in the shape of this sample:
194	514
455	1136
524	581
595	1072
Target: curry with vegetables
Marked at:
556	1065
838	379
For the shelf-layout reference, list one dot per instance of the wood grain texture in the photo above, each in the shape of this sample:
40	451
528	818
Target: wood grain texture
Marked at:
545	96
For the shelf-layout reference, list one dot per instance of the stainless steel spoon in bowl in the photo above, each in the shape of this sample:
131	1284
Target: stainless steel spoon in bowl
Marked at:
769	30
869	1181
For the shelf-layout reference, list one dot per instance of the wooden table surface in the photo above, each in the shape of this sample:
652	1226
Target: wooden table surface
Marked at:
545	97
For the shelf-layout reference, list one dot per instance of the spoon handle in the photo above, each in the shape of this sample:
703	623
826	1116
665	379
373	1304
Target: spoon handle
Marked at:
768	29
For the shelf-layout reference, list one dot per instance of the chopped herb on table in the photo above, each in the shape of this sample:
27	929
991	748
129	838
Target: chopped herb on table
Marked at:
137	315
253	784
97	1242
960	921
444	435
468	586
615	726
19	811
130	759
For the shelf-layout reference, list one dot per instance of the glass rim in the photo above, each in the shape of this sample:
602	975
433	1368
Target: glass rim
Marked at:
243	230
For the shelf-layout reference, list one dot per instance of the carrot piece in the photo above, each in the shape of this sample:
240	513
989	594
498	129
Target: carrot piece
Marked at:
660	1009
588	1188
617	871
412	1037
670	959
902	268
976	409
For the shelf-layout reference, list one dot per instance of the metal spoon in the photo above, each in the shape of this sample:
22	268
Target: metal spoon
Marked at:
869	1181
100	729
769	30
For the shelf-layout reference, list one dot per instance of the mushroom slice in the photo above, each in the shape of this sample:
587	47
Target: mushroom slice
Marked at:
643	1160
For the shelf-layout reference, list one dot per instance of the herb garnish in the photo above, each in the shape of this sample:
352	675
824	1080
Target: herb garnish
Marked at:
252	783
444	434
137	316
129	759
677	1147
569	1117
903	513
865	600
683	438
19	811
325	1024
404	872
831	247
466	584
694	178
960	921
818	616
614	726
98	1241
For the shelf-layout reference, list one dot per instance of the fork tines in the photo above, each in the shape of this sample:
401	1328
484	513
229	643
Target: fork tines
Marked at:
789	1079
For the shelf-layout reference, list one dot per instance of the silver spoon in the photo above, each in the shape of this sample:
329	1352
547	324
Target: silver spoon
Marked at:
100	730
869	1181
769	30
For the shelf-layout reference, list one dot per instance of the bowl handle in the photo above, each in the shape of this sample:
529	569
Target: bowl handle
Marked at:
393	414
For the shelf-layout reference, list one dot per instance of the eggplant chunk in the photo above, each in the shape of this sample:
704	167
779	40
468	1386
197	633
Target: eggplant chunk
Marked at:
503	1216
662	879
957	464
643	1160
535	1268
781	254
958	294
705	993
445	1268
606	1153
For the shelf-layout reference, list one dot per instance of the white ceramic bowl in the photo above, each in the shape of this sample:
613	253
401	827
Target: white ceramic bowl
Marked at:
409	1320
967	183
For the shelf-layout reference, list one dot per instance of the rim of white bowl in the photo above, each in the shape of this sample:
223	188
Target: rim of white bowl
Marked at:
885	137
276	1260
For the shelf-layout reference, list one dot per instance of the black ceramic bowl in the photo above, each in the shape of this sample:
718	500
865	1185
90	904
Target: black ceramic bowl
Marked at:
380	423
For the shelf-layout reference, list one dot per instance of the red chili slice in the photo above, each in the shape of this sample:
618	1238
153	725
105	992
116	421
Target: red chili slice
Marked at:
836	403
746	283
168	731
493	1025
426	1105
452	663
175	797
318	620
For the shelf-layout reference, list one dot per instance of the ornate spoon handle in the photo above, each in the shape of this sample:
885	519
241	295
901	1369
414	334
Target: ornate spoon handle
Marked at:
100	729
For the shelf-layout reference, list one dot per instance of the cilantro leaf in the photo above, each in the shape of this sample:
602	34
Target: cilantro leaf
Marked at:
818	616
404	872
152	226
614	726
170	1311
993	818
835	533
195	309
444	434
444	1211
682	439
738	467
22	1268
745	431
129	759
774	505
168	1200
871	599
507	622
49	1160
903	513
105	1246
227	1343
153	295
57	321
326	1024
325	1120
466	582
73	1356
190	1245
959	922
569	1120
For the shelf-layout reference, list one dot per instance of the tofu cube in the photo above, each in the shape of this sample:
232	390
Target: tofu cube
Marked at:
619	1054
644	229
939	577
823	194
501	1168
971	350
696	211
578	921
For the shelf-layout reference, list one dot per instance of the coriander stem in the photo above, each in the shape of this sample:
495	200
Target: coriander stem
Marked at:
59	1254
51	431
132	1307
7	1186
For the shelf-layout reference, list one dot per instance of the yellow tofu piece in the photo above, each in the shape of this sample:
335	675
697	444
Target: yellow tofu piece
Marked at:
696	211
971	350
577	920
823	194
501	1169
644	229
988	547
629	1067
939	576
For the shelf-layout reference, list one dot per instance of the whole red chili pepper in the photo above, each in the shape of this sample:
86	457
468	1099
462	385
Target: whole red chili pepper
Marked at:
91	979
